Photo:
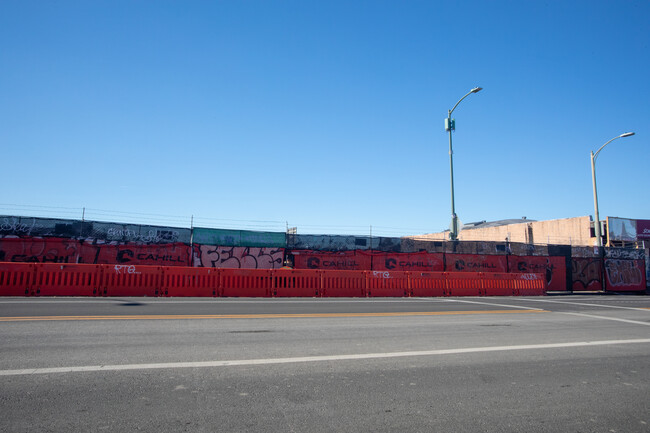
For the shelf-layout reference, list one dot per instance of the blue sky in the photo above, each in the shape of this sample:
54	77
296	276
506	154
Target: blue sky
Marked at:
325	115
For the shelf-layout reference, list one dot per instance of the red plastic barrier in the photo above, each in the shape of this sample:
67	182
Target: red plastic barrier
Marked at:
62	279
185	281
131	280
17	279
255	283
464	283
530	284
499	284
297	283
344	284
388	284
428	284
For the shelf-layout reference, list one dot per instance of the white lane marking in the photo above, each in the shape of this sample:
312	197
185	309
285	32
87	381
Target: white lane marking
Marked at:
361	356
489	303
586	304
636	322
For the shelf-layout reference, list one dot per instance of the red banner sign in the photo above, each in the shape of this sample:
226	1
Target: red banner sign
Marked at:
422	261
643	229
340	261
475	263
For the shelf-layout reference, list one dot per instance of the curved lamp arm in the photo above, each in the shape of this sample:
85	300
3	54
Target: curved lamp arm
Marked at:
627	134
474	90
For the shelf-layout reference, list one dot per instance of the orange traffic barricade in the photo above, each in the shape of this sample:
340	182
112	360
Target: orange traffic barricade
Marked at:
387	284
498	284
344	284
428	284
185	281
63	279
17	279
255	283
464	283
296	283
131	280
530	284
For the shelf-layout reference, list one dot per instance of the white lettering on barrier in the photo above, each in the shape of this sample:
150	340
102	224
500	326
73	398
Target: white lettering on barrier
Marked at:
528	276
126	269
378	274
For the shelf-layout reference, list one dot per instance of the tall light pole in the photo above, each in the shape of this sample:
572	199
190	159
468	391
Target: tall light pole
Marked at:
599	241
450	125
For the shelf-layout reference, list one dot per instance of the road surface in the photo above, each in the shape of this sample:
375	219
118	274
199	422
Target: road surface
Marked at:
544	364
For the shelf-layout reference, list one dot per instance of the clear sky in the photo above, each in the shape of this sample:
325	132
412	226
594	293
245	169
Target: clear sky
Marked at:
324	115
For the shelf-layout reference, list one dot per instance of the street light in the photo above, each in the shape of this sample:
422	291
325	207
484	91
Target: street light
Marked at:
599	241
450	125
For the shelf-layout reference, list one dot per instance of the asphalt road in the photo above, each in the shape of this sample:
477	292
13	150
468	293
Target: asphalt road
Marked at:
548	364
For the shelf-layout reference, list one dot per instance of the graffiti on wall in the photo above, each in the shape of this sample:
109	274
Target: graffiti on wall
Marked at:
176	254
624	253
211	256
98	231
586	274
39	250
15	226
625	274
57	250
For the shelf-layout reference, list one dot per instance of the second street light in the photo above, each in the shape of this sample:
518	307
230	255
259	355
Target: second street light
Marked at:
450	125
599	240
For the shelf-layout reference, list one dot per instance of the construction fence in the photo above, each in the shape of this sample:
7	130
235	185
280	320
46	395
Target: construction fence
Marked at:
566	268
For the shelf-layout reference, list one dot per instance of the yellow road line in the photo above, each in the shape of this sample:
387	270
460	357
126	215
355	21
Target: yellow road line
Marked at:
259	316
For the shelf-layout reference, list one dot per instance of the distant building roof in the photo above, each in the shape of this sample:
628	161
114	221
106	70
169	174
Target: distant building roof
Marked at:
485	224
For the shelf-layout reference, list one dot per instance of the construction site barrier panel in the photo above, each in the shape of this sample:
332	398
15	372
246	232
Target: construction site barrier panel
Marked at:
530	284
464	283
351	284
17	279
131	280
387	284
252	283
297	283
62	279
428	284
499	284
196	282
